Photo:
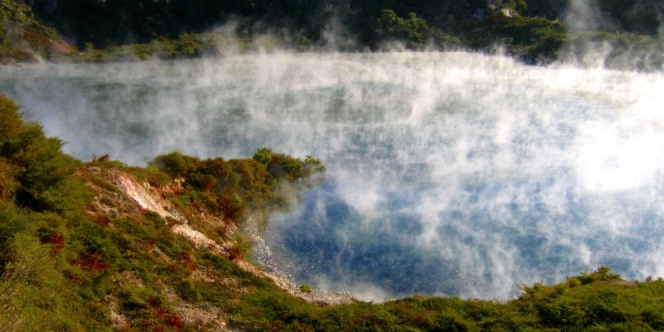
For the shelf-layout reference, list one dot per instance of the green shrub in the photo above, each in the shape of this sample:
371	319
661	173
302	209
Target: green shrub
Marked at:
135	297
204	182
304	288
43	174
263	155
175	163
189	290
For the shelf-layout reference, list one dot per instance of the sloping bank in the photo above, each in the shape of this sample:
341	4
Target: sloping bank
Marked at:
223	242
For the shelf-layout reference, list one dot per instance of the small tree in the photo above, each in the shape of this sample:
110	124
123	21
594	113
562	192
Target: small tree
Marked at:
263	155
175	163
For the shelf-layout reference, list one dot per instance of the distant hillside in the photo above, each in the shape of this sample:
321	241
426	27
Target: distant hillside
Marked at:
531	30
118	22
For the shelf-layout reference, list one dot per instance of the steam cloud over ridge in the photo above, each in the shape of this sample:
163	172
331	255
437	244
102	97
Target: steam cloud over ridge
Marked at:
451	174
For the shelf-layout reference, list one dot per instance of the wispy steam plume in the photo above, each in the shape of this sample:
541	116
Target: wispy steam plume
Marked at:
454	173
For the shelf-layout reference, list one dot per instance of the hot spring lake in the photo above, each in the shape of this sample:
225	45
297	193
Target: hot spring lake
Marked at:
452	174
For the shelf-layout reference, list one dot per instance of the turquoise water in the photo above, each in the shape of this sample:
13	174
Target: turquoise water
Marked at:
449	174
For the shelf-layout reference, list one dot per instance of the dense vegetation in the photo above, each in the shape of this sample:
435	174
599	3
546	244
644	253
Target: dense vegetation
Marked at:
528	29
119	21
76	256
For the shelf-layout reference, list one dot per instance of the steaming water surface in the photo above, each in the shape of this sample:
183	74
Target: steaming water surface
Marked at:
449	174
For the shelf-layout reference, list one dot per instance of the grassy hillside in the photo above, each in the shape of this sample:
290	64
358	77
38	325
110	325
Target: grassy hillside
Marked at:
100	246
531	30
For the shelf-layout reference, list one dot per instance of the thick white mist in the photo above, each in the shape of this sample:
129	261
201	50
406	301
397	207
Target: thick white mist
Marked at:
449	174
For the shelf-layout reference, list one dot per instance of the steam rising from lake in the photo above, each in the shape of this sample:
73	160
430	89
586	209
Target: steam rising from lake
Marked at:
449	173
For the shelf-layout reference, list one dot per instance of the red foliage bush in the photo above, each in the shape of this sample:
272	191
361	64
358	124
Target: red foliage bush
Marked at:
93	262
175	321
190	261
58	241
103	221
104	158
235	253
